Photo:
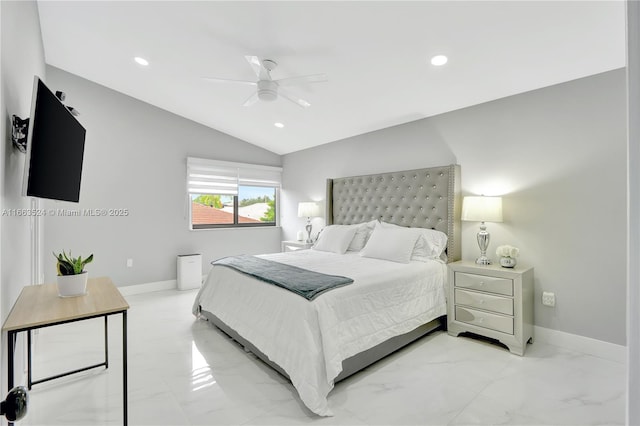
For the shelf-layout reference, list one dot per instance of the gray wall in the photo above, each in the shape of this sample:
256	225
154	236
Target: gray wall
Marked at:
633	303
135	158
22	57
409	146
557	155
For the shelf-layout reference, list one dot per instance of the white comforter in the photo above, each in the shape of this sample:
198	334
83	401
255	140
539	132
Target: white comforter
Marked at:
309	340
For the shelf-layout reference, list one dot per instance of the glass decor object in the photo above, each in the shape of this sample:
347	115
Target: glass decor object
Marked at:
508	262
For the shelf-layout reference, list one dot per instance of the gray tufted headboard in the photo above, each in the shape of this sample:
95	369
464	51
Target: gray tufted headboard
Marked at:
424	198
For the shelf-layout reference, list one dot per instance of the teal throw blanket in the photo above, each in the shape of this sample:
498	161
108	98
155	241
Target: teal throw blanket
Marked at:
308	284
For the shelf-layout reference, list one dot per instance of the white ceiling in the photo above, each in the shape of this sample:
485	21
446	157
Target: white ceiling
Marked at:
376	55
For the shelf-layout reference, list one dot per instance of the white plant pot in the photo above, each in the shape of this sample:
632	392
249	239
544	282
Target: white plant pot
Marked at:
72	285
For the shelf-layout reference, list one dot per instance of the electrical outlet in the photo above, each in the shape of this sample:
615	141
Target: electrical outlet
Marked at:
129	263
548	299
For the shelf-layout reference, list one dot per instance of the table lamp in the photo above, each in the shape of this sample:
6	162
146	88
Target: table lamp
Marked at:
308	210
482	209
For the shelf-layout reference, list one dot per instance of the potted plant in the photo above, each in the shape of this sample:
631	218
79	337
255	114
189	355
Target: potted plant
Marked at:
72	278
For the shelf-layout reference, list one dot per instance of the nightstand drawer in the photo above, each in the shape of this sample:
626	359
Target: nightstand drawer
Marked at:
474	299
484	283
485	319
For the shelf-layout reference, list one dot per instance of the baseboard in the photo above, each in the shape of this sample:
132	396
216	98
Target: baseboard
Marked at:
587	345
151	287
130	290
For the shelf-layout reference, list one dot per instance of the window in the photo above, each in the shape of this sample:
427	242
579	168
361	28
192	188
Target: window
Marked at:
224	194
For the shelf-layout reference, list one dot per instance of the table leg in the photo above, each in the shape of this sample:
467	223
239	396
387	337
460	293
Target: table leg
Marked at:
11	342
124	367
106	342
29	377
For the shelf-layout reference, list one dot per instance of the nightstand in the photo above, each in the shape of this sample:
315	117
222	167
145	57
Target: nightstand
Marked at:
295	245
491	301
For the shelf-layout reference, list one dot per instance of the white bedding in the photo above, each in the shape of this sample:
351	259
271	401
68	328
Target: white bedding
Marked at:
309	340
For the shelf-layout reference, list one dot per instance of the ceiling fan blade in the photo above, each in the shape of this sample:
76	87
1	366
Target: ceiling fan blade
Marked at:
226	80
315	78
296	100
252	100
256	66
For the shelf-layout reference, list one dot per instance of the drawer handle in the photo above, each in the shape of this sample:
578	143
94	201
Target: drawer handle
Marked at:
481	319
481	282
481	301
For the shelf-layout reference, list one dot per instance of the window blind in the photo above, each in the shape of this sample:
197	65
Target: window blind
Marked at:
223	177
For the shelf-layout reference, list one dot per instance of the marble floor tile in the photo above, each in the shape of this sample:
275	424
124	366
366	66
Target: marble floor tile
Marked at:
184	371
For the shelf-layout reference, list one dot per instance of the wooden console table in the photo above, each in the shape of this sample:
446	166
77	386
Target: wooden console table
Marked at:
39	306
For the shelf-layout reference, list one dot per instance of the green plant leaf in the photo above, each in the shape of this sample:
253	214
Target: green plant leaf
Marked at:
68	265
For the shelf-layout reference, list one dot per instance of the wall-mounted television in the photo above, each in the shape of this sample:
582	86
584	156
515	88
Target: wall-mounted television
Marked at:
55	148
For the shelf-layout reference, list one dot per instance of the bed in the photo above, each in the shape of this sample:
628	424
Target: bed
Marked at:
389	303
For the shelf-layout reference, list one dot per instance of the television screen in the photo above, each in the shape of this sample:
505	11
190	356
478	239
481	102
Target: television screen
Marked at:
55	148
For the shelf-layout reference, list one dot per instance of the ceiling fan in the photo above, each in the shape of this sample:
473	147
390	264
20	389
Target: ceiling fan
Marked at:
269	89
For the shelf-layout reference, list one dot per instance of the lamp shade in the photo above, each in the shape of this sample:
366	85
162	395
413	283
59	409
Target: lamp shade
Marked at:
482	209
308	209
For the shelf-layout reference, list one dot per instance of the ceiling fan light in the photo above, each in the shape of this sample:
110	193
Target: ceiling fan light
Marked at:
267	95
267	90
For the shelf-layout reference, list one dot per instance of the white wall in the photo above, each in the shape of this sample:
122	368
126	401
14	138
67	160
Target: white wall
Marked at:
22	57
557	155
135	158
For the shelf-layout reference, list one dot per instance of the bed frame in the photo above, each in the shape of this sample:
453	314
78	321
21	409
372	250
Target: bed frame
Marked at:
423	198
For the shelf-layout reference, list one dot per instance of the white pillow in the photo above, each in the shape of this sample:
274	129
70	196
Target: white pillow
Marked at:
335	238
394	244
363	232
429	245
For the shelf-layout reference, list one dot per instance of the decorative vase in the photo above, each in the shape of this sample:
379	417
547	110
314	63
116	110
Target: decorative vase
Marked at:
508	262
72	285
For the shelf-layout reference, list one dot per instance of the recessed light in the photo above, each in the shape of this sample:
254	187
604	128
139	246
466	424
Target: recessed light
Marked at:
141	61
439	60
278	125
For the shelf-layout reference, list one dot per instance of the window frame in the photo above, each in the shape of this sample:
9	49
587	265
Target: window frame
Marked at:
236	224
246	175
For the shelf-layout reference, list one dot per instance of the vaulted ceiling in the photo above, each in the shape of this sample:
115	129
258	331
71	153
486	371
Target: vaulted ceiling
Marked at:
376	56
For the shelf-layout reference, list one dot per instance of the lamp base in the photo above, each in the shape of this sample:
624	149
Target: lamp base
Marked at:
483	242
483	260
308	229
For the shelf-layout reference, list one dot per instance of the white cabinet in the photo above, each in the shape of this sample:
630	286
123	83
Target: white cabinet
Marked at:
491	301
